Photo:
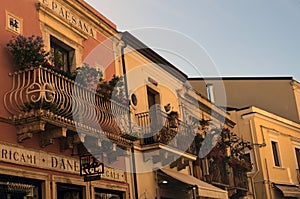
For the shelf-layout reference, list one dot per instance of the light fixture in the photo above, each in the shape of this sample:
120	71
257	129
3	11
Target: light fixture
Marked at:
164	182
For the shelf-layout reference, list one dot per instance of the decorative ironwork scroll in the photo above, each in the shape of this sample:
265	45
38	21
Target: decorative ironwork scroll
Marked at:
90	168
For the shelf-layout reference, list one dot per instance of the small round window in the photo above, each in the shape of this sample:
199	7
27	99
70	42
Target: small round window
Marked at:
133	99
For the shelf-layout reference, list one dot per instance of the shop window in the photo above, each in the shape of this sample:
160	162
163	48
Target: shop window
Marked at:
12	187
62	55
68	191
108	194
275	153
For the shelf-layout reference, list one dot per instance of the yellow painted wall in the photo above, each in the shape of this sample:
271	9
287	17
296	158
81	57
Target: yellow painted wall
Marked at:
262	127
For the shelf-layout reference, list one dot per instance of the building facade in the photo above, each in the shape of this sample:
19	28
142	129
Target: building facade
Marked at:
275	154
131	134
266	114
40	146
167	155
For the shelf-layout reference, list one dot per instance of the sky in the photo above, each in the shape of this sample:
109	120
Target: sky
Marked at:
215	37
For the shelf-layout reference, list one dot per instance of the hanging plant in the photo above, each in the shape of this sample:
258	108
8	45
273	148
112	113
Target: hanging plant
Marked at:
27	51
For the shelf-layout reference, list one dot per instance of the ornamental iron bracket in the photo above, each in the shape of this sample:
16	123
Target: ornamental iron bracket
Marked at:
90	168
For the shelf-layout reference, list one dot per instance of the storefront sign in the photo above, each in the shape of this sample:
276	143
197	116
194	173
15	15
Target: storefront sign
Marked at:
41	159
69	16
90	168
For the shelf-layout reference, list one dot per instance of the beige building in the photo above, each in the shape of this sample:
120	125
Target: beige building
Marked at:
165	153
266	111
275	155
278	95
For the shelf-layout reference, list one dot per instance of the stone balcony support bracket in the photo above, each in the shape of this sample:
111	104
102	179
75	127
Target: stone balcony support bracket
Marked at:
26	130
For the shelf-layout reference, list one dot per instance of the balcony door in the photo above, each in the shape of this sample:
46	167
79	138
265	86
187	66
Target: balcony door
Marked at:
154	110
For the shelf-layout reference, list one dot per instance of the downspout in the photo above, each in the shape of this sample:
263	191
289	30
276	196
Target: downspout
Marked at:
129	118
256	159
255	154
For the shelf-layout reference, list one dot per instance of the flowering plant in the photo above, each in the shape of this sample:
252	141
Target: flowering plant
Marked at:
113	89
229	149
87	76
240	165
93	79
27	51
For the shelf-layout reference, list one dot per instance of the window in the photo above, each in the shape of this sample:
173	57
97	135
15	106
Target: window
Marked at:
210	92
68	191
275	153
247	158
154	109
297	151
153	97
62	55
108	194
12	187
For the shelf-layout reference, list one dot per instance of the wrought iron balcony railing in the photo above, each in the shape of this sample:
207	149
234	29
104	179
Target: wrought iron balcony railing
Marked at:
225	176
218	174
240	179
158	127
41	96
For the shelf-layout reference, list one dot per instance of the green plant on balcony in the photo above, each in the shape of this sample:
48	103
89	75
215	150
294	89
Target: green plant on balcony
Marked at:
233	148
87	76
27	51
172	116
173	119
224	150
112	89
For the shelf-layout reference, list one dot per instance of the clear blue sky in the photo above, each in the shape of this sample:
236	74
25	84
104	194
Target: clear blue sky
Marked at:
242	37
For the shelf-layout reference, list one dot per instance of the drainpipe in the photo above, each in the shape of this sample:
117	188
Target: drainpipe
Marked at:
256	159
123	46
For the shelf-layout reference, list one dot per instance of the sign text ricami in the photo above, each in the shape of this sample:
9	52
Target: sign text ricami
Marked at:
69	16
41	159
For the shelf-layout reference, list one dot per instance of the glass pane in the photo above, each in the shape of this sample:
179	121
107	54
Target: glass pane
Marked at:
275	153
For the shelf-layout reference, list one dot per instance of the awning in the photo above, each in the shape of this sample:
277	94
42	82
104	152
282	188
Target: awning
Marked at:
289	190
204	189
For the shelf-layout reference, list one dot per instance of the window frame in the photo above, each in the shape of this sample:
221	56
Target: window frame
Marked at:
56	45
277	153
251	160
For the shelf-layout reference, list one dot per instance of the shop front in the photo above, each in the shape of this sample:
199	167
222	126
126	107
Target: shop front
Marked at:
35	174
174	184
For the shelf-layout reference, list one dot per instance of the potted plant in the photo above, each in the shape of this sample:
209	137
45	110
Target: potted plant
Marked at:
173	119
27	51
172	116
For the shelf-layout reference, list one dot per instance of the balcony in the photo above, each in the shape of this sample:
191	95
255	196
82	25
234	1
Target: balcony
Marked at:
240	179
46	102
157	128
218	175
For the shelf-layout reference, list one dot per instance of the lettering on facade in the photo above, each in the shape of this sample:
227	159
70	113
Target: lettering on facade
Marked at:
18	156
69	16
64	164
41	159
